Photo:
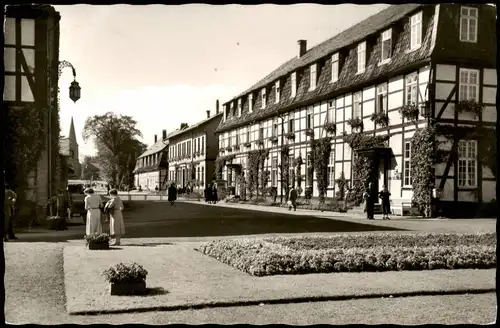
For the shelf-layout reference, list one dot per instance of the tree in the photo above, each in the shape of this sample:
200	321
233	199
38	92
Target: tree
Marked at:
117	147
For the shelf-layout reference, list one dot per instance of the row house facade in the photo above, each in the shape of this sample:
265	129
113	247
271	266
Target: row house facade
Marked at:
193	150
152	165
431	56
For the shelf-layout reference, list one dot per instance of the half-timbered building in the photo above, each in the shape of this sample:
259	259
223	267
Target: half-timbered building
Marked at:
192	152
31	56
433	57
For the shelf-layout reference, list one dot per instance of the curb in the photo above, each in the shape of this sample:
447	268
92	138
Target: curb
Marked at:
216	304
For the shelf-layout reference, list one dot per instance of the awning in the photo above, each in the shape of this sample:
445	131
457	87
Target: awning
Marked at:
376	152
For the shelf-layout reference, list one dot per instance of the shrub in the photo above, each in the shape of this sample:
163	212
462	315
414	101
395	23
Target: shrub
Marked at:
261	257
97	238
125	273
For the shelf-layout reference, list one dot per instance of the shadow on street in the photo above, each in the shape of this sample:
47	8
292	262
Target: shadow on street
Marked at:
159	219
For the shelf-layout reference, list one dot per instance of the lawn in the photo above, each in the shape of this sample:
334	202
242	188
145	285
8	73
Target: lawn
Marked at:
355	253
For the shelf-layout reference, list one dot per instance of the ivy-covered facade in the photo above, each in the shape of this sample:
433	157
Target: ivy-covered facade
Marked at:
31	56
373	91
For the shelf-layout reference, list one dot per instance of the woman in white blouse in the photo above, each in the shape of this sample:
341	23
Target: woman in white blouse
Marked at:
93	204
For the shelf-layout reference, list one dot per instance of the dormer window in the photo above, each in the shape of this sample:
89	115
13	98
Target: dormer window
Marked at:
313	77
416	31
250	103
239	107
361	57
224	110
233	107
335	67
386	45
277	92
263	98
294	84
468	24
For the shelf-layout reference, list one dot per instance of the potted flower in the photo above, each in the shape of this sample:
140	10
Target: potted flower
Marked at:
290	135
380	119
229	148
469	106
330	128
126	279
355	123
259	142
310	133
97	241
236	147
274	139
247	144
410	112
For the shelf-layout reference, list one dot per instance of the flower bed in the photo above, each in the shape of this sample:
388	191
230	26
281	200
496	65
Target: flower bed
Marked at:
343	254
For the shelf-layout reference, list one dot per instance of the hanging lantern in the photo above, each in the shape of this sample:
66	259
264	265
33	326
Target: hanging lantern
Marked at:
74	91
425	109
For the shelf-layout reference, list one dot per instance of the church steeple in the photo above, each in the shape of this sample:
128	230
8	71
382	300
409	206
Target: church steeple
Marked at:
72	134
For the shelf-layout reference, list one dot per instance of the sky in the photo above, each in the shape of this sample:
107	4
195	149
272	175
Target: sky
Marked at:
165	65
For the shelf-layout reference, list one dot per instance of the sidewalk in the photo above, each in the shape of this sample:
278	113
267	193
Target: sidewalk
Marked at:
181	278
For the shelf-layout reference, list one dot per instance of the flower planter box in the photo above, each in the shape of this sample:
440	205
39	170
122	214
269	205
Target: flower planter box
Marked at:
99	246
128	288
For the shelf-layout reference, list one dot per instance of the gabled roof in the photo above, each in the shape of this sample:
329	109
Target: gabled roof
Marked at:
177	133
348	37
158	146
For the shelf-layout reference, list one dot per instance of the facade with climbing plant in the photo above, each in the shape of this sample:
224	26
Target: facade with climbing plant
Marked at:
359	107
31	113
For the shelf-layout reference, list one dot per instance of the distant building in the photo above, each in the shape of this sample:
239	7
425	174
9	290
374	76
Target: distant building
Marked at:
435	58
152	165
69	148
192	151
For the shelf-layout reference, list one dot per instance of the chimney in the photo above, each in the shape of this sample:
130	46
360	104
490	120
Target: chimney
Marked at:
156	138
164	134
217	107
208	114
302	47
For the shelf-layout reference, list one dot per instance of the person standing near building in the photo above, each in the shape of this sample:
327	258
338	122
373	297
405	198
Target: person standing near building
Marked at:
172	194
93	204
8	209
214	194
385	195
369	203
292	198
116	225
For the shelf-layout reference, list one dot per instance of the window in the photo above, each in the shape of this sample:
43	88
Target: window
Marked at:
382	98
309	120
357	105
277	92
239	107
416	31
263	97
331	170
248	134
274	175
294	84
275	128
313	77
467	163
250	102
202	145
202	180
335	67
199	149
468	24
411	96
361	57
261	133
386	45
407	164
308	165
330	117
469	84
291	123
189	147
237	143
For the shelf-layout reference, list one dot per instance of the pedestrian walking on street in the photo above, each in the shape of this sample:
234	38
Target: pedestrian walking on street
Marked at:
292	199
206	193
93	205
385	195
369	204
172	194
8	209
114	208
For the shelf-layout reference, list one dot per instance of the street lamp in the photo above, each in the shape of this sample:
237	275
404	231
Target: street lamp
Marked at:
74	89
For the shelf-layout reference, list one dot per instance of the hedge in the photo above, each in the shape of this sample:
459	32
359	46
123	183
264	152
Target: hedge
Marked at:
260	257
